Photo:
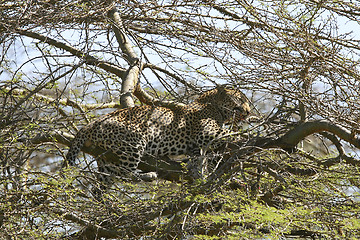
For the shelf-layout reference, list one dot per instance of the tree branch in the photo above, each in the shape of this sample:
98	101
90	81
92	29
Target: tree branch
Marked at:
63	101
130	84
132	75
294	136
96	230
91	60
146	98
177	78
121	37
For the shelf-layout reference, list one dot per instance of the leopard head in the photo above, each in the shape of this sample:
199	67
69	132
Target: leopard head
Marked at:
231	103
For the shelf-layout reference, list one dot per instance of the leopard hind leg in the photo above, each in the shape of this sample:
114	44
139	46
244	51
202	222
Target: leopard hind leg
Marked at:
127	155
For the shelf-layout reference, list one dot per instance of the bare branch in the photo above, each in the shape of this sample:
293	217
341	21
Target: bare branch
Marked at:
178	78
121	37
91	60
132	75
130	84
64	101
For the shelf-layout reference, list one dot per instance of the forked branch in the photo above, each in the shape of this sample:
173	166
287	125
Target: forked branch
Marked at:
130	83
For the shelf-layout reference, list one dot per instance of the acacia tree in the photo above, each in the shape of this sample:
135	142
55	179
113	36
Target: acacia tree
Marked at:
293	172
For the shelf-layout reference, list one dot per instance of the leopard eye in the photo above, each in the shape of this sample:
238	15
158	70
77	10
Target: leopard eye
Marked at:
240	109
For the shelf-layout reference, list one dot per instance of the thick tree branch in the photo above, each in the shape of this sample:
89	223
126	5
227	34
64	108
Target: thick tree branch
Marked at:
121	37
298	133
131	84
132	75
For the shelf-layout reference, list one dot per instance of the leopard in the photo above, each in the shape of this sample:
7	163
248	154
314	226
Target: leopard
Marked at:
132	133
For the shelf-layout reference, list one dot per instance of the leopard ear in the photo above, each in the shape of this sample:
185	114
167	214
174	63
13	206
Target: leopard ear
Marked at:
223	87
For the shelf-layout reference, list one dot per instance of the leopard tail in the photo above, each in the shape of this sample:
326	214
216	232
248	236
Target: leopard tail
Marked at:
74	150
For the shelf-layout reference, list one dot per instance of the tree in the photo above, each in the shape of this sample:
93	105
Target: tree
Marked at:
293	172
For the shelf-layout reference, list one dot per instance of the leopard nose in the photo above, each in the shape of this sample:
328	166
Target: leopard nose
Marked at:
244	109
